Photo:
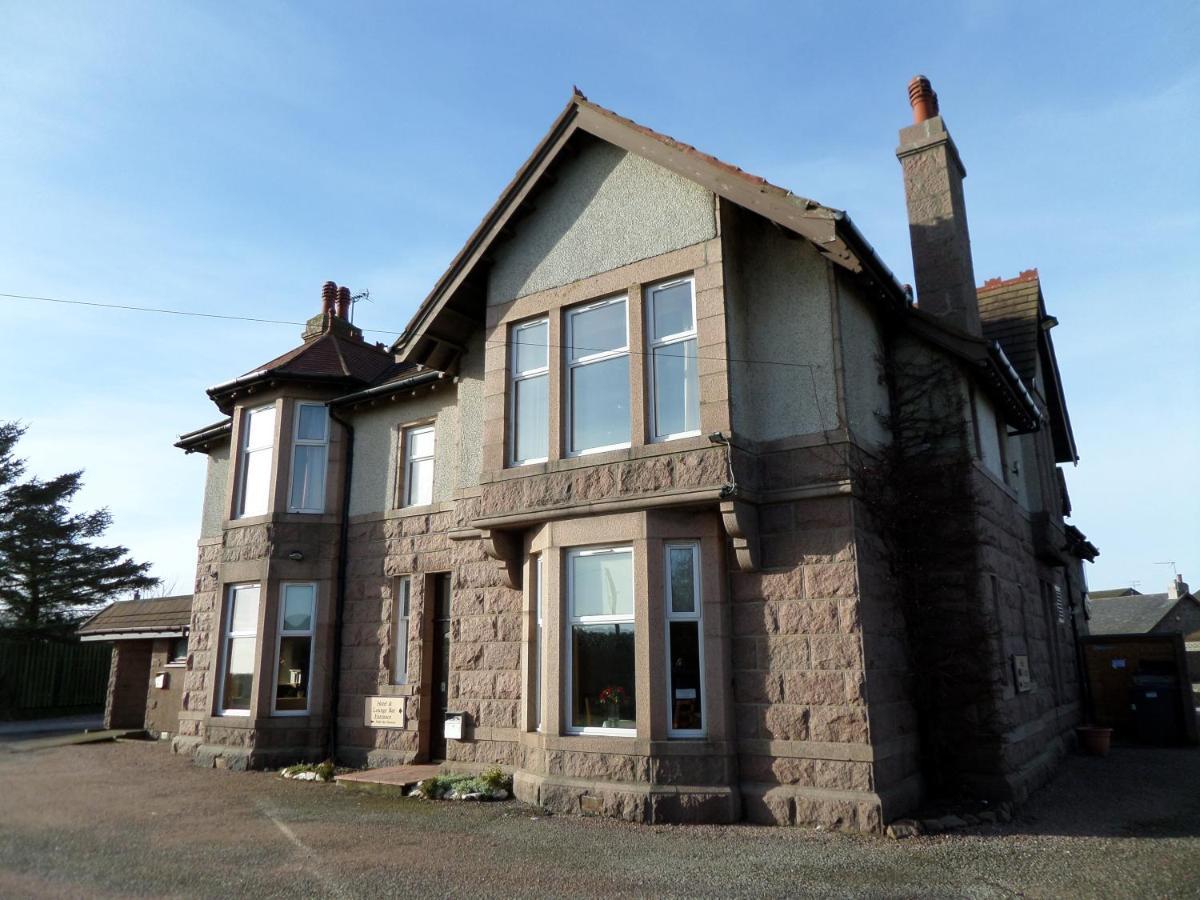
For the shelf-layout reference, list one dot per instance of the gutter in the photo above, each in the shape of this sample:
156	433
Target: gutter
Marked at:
134	634
340	581
379	390
193	439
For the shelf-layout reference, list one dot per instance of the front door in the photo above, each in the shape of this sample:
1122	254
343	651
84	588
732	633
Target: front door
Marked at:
441	666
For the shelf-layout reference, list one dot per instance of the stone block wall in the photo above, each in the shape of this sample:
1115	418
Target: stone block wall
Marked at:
125	702
485	660
800	672
162	704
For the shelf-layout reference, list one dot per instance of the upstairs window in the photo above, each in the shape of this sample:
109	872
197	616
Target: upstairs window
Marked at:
674	379
418	466
598	377
310	450
258	442
529	397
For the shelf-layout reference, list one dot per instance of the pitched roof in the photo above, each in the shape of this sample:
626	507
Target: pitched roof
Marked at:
204	438
1133	614
830	230
165	616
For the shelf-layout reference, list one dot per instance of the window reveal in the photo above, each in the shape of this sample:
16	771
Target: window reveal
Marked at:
598	377
685	650
310	453
539	593
293	674
674	376
601	690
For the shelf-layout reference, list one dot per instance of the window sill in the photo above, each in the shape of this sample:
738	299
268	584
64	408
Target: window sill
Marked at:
598	458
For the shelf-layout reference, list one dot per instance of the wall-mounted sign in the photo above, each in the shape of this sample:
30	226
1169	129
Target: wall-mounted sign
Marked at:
386	712
1021	677
454	726
162	680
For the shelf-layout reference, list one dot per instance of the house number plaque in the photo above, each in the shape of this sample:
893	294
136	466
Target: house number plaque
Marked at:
386	712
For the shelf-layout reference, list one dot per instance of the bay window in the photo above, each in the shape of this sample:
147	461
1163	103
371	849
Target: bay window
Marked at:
674	378
403	619
418	466
239	651
258	440
598	376
685	640
294	649
600	641
310	447
529	392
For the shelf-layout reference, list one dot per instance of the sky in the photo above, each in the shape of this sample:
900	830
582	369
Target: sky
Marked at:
229	158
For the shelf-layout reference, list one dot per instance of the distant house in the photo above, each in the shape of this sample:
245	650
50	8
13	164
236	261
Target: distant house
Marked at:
1126	611
150	653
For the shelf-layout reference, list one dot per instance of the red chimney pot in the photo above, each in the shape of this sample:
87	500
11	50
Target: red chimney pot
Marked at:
923	99
328	297
343	302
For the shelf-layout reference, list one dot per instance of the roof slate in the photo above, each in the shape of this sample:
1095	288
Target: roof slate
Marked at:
162	613
331	354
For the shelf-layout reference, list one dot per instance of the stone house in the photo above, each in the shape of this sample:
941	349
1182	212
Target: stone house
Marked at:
1127	611
611	504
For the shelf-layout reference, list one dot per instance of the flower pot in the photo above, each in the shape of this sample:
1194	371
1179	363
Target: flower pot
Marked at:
1094	740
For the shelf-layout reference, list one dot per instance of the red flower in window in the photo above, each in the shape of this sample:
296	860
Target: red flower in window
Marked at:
612	694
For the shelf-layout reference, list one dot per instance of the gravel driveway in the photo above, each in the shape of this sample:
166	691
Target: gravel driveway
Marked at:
129	819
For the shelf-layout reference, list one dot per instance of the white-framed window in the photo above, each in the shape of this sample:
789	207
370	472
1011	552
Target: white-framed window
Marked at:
400	636
685	640
600	642
294	648
239	651
258	442
529	392
598	377
539	592
310	456
674	368
418	466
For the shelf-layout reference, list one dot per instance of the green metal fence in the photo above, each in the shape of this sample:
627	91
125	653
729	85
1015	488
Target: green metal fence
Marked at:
40	678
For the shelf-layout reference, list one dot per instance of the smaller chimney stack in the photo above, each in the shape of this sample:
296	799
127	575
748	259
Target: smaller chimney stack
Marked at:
328	298
343	303
923	99
1178	588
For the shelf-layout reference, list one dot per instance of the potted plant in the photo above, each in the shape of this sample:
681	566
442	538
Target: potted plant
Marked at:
1094	740
611	699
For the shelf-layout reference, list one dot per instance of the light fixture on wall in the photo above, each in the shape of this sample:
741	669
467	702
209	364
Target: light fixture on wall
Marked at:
296	556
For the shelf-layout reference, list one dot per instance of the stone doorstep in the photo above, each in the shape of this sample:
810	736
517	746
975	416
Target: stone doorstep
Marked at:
398	780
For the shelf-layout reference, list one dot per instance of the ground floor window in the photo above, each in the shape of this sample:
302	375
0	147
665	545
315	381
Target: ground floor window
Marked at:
241	640
293	674
539	590
403	620
685	640
600	641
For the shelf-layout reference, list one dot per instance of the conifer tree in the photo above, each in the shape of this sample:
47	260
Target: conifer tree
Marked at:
51	572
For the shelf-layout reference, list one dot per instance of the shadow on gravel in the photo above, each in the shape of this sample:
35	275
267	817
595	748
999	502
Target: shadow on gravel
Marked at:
1132	792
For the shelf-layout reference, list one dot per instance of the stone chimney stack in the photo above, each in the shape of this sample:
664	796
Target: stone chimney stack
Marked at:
937	214
1178	588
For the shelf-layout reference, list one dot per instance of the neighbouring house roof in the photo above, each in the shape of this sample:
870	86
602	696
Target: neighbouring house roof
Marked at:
1013	313
1131	614
140	619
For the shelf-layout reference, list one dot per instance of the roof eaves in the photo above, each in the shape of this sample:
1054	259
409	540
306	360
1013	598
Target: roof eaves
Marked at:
203	438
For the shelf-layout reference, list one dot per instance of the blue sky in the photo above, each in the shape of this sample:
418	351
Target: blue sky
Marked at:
229	158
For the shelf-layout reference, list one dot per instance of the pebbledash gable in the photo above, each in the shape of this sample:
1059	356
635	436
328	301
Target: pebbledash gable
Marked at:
616	512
